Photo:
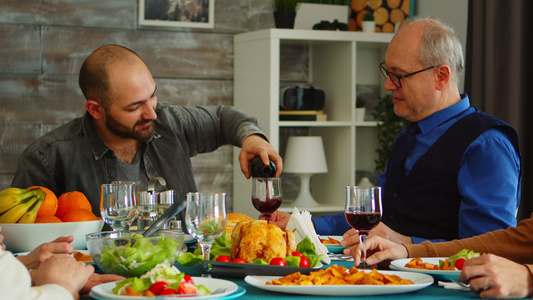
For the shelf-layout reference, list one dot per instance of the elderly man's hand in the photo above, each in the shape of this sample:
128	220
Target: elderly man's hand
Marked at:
255	145
377	249
278	218
351	237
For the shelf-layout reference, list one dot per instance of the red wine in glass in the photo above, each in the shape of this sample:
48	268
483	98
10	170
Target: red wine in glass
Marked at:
266	195
363	212
267	206
363	221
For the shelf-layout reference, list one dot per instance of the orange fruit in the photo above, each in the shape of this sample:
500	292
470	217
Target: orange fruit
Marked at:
71	201
49	206
47	219
79	215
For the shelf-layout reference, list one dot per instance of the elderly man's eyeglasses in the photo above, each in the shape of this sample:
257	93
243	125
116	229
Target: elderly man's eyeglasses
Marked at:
395	78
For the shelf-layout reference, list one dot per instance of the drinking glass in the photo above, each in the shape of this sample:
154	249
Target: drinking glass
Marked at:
146	210
363	212
206	219
266	195
118	204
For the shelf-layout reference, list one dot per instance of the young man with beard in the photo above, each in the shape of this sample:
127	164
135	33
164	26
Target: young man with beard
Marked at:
126	135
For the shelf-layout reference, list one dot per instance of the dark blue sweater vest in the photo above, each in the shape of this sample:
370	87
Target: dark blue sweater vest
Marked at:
426	203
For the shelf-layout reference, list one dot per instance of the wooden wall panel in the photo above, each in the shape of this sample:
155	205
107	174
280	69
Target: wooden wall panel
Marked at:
21	11
167	53
21	49
44	43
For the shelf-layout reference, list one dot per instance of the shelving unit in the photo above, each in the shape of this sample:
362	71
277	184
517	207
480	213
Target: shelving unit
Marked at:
338	60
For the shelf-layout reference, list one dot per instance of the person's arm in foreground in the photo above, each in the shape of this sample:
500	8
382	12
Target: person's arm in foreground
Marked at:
490	275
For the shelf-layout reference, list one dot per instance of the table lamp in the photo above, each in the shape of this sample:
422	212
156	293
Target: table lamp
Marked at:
305	157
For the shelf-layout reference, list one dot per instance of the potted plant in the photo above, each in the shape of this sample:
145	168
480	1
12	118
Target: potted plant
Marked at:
360	109
368	24
389	125
284	13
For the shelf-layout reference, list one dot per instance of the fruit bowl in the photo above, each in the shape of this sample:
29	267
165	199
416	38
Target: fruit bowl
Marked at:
129	254
20	237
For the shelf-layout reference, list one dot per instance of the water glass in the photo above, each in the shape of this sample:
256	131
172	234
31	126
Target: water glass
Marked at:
206	219
118	204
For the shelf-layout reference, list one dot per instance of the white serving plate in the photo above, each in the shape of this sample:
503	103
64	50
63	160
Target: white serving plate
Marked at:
420	281
104	291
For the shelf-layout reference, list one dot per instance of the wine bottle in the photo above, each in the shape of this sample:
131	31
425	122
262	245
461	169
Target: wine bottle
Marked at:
259	169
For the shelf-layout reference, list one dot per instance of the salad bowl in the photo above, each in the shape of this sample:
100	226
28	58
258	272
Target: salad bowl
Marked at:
129	254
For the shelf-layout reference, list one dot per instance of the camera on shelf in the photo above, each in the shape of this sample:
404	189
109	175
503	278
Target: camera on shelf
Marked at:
326	25
302	98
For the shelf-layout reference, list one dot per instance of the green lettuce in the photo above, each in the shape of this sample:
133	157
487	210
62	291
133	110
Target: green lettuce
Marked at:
465	253
138	256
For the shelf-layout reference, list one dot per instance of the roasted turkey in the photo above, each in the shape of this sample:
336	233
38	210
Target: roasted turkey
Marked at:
254	240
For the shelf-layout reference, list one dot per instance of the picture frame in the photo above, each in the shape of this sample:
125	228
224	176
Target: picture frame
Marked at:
386	13
177	13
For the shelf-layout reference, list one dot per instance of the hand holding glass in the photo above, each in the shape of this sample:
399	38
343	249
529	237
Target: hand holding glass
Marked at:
117	204
363	211
206	219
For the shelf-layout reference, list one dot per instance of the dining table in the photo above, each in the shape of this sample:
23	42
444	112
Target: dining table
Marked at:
432	292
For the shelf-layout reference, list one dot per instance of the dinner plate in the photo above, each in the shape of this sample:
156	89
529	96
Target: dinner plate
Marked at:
420	281
231	290
82	251
333	248
399	264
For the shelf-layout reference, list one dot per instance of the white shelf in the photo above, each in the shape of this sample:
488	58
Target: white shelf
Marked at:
338	60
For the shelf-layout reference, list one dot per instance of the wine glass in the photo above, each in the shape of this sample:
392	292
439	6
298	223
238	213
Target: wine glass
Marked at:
206	219
266	195
363	212
118	204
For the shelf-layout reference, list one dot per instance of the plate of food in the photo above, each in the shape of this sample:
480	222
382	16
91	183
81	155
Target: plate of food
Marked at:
333	243
426	265
442	268
166	282
370	282
219	288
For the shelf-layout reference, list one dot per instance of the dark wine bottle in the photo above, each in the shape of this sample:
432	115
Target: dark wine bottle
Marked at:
259	169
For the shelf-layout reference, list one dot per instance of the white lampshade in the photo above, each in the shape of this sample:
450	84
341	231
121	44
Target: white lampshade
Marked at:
305	156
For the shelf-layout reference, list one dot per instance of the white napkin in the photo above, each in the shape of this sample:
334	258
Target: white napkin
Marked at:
302	226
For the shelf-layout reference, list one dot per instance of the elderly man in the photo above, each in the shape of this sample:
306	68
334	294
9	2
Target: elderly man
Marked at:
461	174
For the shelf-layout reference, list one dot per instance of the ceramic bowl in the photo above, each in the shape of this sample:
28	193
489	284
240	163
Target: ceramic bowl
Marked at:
129	254
26	237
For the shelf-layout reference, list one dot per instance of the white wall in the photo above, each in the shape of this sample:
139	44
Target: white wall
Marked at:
452	12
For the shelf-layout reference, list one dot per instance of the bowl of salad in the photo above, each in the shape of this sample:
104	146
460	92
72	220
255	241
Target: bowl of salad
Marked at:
129	254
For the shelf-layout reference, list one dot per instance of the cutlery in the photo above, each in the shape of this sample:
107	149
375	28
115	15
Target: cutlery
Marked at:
461	283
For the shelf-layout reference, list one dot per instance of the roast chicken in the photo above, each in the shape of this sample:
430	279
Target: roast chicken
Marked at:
233	220
254	240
